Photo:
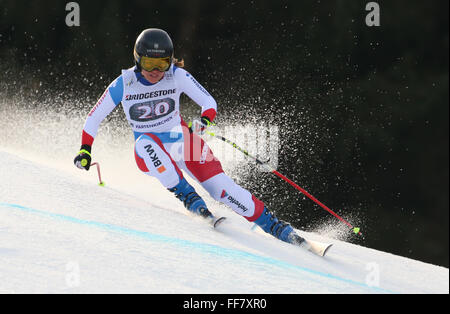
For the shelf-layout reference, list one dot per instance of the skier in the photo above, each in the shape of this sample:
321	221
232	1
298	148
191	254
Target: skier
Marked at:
164	145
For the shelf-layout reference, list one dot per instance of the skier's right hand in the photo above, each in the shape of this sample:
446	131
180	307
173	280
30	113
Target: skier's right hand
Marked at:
83	159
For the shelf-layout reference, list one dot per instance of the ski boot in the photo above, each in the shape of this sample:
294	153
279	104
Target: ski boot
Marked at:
279	229
191	200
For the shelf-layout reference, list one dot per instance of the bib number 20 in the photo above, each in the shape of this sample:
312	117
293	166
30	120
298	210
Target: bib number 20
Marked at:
152	110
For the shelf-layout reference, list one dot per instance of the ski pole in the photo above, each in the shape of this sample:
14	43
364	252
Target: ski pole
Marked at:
355	230
101	183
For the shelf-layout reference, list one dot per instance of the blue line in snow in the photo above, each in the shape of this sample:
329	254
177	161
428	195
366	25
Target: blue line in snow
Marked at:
203	247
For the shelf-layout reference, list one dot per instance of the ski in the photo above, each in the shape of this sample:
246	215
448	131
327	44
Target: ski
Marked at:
316	247
215	222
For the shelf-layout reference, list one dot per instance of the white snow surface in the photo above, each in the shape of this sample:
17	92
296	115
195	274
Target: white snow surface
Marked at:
62	233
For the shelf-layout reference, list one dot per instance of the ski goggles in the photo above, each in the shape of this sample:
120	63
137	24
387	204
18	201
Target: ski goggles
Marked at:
150	64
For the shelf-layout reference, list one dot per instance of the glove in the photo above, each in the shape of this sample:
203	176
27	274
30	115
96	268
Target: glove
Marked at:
83	159
199	126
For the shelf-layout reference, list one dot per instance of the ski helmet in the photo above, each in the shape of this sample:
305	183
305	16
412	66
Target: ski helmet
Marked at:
153	50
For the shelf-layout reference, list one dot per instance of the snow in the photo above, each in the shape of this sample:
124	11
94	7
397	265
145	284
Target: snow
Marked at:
62	233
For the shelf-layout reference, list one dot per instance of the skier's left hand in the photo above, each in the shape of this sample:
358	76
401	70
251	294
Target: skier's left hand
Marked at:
199	126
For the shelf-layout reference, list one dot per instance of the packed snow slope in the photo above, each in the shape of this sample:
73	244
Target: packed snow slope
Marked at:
62	233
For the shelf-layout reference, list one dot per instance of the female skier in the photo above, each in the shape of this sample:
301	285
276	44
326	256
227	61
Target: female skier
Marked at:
164	145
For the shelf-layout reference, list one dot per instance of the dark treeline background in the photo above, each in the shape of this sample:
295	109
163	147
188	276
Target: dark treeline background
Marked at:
363	111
